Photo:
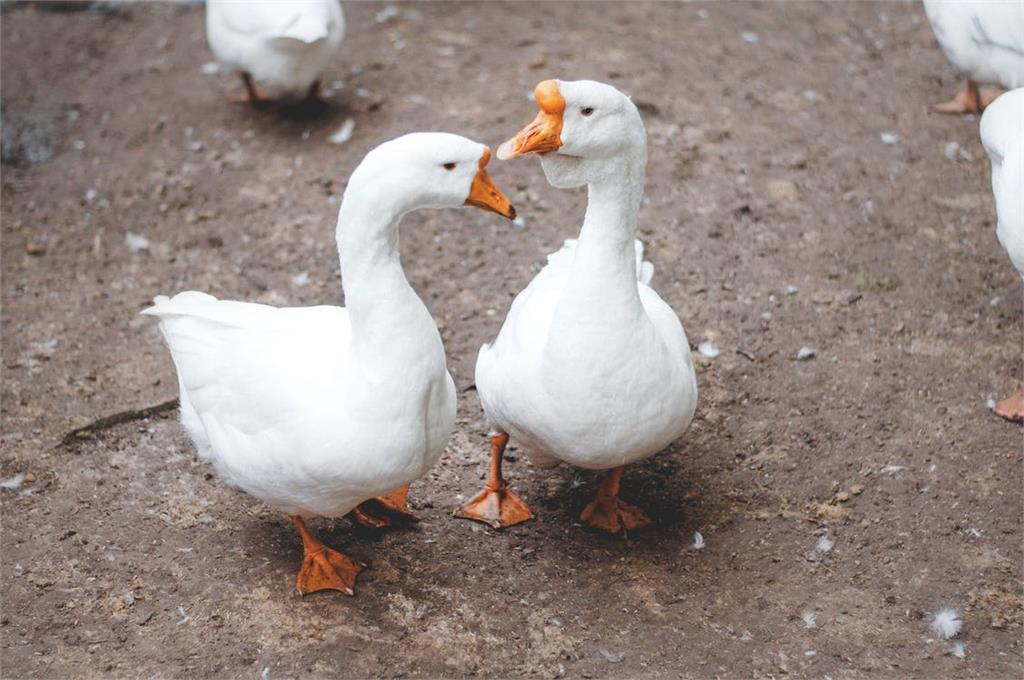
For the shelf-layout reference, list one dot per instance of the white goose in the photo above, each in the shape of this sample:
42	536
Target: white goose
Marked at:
314	410
591	367
281	48
1002	135
984	40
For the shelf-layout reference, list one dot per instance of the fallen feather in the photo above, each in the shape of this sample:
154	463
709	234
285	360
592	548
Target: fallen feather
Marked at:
707	348
959	650
791	290
703	14
519	222
946	623
990	403
698	540
810	95
971	531
889	137
210	68
389	12
610	657
891	469
344	133
750	37
14	482
805	353
185	618
266	673
809	653
808	618
824	545
136	242
301	279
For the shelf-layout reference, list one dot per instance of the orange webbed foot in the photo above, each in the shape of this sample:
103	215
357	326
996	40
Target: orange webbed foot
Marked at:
323	568
499	508
328	569
1012	408
385	511
967	100
612	514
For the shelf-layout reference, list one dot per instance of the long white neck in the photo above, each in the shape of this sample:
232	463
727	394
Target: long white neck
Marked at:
385	312
605	263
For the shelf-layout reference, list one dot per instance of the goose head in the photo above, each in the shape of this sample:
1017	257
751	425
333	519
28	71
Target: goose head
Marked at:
584	131
428	170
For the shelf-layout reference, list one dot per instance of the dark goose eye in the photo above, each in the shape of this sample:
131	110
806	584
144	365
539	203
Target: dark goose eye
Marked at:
449	166
587	111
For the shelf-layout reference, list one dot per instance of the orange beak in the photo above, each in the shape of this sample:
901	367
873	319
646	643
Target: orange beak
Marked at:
543	135
485	194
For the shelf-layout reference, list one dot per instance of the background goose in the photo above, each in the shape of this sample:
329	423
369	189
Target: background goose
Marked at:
984	40
280	48
1002	135
314	410
590	367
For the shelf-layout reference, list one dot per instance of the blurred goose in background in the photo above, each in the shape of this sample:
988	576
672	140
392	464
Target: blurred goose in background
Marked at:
984	40
281	48
1002	135
314	410
591	367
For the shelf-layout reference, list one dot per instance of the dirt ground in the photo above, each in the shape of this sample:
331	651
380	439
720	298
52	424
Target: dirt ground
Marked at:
777	218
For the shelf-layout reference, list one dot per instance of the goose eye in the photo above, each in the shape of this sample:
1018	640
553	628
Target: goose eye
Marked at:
587	111
449	166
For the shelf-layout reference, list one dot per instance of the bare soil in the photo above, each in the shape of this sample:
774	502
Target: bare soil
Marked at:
123	556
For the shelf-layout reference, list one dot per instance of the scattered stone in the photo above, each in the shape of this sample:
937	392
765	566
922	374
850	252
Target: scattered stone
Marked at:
857	489
13	483
843	496
783	190
824	545
136	242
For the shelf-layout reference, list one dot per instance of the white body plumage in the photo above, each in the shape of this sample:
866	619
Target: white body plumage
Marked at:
983	39
1002	135
285	45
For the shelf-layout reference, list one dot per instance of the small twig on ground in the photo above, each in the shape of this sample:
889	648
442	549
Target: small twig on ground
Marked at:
107	422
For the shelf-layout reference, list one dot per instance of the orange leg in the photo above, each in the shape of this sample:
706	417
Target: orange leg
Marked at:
323	568
385	510
253	95
1012	408
496	505
967	100
610	513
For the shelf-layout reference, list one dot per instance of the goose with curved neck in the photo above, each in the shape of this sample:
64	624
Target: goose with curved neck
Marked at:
319	411
590	367
1002	135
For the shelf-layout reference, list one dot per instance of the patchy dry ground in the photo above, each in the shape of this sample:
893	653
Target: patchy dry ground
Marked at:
776	217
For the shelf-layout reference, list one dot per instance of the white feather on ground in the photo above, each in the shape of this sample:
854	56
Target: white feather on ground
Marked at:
698	540
824	545
808	619
959	649
946	623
